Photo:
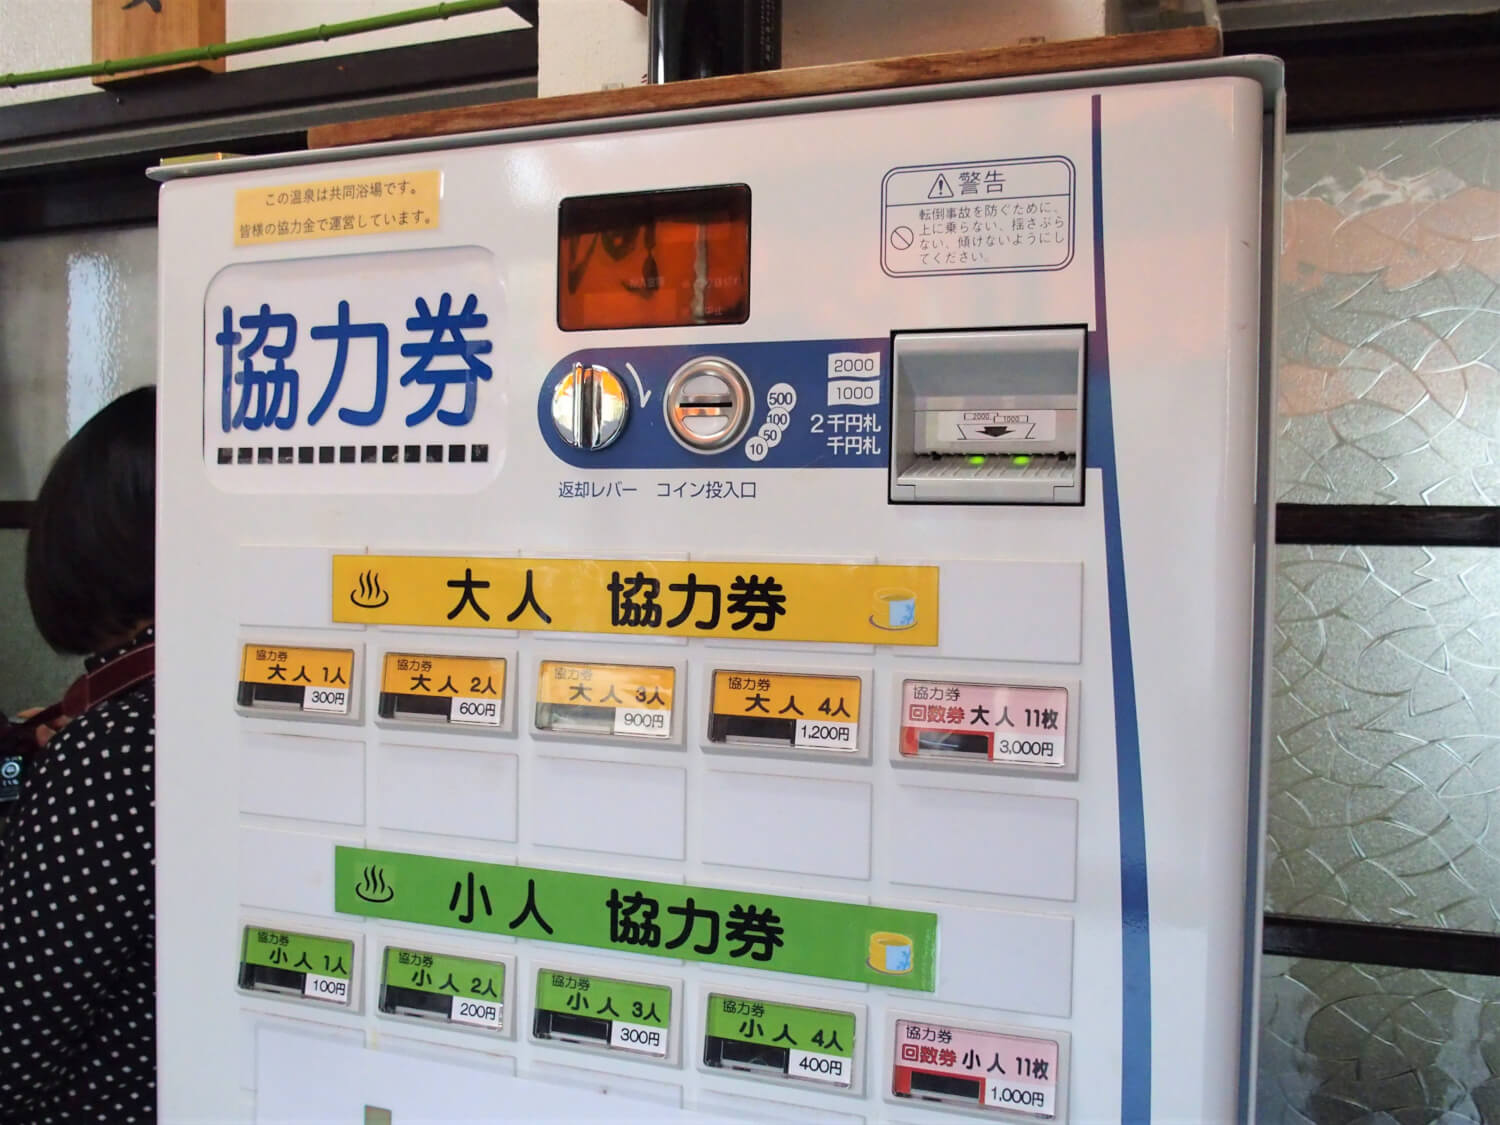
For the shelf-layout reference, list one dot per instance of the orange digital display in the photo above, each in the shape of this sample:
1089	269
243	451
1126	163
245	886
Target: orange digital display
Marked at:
654	259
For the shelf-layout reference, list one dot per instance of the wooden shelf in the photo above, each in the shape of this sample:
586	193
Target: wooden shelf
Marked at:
1178	45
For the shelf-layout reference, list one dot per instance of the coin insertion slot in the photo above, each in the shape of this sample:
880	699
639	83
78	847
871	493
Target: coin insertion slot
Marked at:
413	707
419	1005
265	978
732	1054
946	1088
938	742
990	416
708	404
271	697
570	1028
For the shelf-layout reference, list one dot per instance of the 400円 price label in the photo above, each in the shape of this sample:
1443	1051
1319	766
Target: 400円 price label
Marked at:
601	1011
279	961
445	689
305	679
461	989
616	699
811	1044
809	712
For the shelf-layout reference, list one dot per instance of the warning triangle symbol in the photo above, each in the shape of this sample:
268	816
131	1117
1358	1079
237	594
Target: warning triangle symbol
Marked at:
940	188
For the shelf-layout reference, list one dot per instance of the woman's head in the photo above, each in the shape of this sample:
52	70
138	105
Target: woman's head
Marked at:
91	555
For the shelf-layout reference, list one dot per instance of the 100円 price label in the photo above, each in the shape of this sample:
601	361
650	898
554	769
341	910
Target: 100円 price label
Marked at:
778	933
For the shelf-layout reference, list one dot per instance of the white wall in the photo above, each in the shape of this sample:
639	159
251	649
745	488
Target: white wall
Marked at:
42	34
584	44
593	44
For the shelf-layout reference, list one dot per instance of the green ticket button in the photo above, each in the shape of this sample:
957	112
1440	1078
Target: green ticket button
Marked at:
434	986
603	1012
779	1040
279	961
781	1025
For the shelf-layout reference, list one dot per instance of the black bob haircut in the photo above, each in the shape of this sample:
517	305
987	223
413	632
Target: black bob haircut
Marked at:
91	554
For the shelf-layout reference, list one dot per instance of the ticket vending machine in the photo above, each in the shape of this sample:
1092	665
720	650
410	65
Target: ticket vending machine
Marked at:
743	613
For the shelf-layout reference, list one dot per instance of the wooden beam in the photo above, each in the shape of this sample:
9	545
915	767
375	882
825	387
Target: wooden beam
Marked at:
1177	45
638	5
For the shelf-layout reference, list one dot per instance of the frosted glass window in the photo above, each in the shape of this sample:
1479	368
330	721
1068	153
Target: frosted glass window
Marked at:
1390	316
77	328
1385	760
1357	1044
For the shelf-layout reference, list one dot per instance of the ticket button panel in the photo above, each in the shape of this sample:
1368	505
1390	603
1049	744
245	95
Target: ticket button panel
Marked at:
783	1042
278	678
1022	726
443	989
428	689
304	966
784	710
602	1013
1012	1075
610	701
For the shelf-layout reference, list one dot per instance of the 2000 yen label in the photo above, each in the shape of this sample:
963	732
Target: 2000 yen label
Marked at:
961	1066
810	712
1007	724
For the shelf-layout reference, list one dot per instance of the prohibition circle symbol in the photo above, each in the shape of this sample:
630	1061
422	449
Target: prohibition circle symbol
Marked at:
901	238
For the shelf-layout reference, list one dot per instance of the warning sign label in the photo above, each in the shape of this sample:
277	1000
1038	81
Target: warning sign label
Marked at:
996	216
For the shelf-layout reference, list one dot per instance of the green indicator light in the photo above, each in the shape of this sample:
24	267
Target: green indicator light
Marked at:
1023	460
977	459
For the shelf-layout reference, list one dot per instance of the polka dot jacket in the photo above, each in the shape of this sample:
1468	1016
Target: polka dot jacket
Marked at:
78	923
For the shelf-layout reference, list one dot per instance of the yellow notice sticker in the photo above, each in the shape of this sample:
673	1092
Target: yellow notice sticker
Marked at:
297	667
605	685
396	203
753	601
448	677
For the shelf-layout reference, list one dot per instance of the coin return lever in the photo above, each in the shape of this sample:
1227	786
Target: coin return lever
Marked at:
991	417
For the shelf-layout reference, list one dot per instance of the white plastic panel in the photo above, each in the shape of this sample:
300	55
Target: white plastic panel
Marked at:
446	792
802	825
283	586
611	1085
1007	959
1014	611
993	842
301	1079
616	808
286	870
297	775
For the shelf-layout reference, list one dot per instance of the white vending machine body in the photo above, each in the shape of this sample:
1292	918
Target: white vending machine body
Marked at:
753	612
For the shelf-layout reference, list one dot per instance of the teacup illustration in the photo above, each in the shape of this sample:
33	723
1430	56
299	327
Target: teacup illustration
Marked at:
895	609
